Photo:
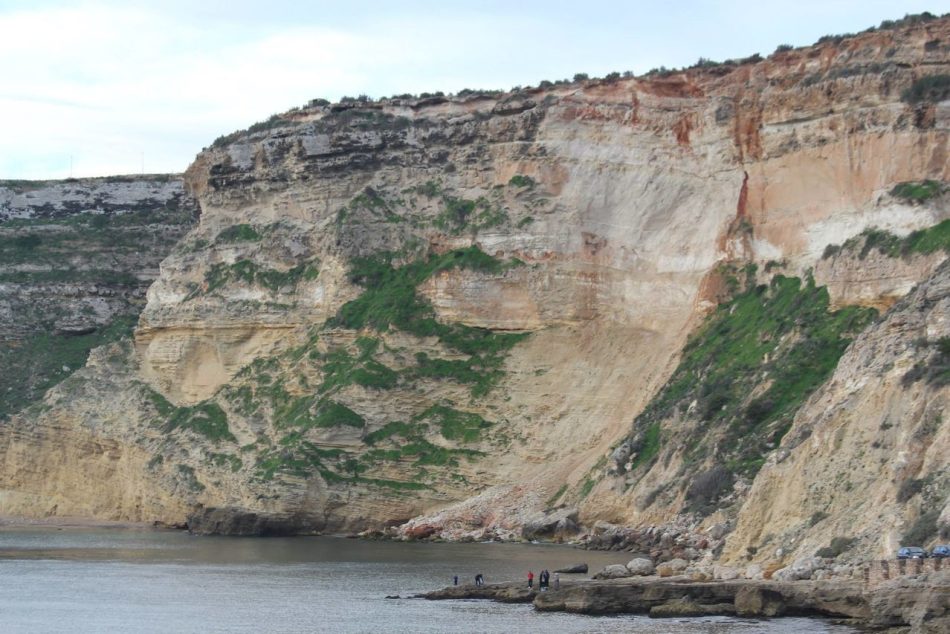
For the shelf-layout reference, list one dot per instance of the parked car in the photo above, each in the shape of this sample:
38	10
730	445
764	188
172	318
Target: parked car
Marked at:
941	551
911	552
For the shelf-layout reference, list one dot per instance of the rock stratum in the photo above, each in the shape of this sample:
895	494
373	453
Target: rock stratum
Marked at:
702	313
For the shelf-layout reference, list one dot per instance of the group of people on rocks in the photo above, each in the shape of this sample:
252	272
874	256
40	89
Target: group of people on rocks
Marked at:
544	580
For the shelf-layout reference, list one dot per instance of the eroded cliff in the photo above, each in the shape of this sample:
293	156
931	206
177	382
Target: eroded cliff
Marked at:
474	309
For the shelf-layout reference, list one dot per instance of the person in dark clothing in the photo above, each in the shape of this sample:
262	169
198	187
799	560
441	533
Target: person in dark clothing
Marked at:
455	580
479	580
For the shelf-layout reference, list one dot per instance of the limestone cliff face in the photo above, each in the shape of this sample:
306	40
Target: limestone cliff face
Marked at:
390	307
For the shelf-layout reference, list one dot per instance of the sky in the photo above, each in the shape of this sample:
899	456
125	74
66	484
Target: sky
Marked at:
124	87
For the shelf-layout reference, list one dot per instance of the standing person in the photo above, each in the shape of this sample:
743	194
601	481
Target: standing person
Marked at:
557	581
530	579
455	580
479	580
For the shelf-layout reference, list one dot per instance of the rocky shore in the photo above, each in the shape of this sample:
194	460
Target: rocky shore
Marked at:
910	604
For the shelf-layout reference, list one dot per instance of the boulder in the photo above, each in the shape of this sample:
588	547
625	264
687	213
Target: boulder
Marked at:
725	573
671	567
573	570
641	566
422	531
556	523
613	571
800	569
753	571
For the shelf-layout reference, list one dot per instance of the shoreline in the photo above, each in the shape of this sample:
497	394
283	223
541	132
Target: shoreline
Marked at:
914	605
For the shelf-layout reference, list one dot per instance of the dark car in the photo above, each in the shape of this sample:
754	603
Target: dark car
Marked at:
911	552
941	551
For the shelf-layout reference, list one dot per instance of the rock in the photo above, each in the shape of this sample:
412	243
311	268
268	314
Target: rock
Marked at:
671	567
753	571
421	531
800	569
241	522
640	567
613	571
725	573
756	601
575	569
557	523
686	607
717	531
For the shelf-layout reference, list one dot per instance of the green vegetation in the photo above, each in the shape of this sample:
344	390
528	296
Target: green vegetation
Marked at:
932	88
923	241
519	180
206	419
749	369
238	233
45	359
557	496
394	428
341	369
226	460
647	446
918	191
248	272
586	488
453	424
390	300
187	474
838	546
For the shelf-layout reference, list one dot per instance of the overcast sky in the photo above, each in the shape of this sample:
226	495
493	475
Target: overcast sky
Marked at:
112	87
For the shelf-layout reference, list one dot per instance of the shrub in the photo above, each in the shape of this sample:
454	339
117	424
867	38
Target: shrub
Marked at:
783	48
238	233
909	488
917	191
707	487
838	546
28	242
519	180
932	88
578	77
923	529
816	517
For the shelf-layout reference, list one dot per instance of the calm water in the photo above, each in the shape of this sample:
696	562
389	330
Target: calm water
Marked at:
75	580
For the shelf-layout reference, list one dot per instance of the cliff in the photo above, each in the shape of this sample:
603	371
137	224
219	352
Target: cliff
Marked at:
618	297
76	259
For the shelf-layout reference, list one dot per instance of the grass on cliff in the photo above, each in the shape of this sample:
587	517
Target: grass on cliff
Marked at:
918	191
206	419
37	363
748	369
248	272
390	300
922	241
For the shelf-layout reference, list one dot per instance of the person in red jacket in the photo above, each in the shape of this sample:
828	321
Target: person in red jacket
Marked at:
530	579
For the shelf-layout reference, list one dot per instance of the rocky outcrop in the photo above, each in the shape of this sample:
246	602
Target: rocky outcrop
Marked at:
895	606
442	318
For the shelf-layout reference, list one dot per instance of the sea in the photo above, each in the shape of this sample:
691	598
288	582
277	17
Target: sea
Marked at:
55	579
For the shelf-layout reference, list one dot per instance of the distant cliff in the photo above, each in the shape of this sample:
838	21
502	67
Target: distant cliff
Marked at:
76	258
679	300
